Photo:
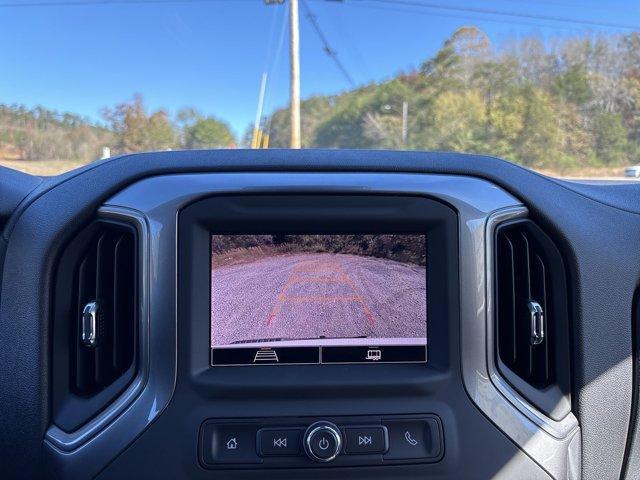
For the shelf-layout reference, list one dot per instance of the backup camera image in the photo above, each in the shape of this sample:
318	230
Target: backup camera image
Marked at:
279	298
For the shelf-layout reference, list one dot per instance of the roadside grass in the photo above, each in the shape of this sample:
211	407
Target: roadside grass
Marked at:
587	172
42	167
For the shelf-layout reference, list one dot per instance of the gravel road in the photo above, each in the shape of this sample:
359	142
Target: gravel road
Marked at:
312	295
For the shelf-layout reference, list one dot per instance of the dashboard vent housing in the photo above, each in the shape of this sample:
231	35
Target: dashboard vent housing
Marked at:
95	321
531	316
105	280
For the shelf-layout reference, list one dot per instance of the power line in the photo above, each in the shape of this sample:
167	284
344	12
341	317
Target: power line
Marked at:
273	71
488	11
271	35
411	3
460	16
326	46
257	132
351	43
78	3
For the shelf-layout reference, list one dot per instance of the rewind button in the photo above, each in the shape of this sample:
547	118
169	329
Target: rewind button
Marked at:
279	441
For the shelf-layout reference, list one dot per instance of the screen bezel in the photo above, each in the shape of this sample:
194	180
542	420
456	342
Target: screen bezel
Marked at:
319	350
331	212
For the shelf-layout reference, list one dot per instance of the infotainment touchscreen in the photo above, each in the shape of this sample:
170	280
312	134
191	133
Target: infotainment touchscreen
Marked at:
318	299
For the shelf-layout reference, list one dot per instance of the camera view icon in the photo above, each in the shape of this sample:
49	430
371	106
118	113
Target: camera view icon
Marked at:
374	355
265	356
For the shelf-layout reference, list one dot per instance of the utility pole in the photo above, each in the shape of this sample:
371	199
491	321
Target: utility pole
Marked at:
405	119
405	115
294	57
294	54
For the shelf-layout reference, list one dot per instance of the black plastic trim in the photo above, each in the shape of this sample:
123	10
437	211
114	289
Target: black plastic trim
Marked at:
554	397
72	408
632	449
292	214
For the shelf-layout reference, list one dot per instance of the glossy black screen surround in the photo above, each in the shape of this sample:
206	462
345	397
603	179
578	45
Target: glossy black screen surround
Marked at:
316	213
324	214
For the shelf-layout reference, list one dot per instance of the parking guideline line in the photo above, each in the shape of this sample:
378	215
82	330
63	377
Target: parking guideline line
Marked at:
319	266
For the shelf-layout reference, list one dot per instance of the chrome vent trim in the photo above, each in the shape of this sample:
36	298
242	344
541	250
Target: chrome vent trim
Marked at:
568	426
70	441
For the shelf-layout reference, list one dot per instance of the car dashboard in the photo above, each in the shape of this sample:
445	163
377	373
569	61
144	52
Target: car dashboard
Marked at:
415	315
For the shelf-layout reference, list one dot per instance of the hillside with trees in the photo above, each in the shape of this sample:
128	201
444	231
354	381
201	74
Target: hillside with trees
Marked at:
40	134
559	105
564	105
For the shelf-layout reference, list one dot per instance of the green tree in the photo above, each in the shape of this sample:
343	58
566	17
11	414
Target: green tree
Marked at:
136	130
611	145
573	85
539	141
459	56
313	112
208	133
344	127
459	121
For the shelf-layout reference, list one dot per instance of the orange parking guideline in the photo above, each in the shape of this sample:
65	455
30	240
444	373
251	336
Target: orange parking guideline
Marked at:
316	267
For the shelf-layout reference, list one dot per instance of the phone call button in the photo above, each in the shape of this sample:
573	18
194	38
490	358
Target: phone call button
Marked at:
413	439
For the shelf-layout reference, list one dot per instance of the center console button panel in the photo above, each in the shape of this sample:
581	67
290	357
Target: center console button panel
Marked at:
299	442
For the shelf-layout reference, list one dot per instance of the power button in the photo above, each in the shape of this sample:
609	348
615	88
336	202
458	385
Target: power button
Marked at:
322	441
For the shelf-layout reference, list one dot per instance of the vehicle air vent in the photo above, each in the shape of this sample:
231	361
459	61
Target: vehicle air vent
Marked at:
531	315
95	322
104	296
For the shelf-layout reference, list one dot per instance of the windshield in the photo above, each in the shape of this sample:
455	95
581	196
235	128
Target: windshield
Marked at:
551	85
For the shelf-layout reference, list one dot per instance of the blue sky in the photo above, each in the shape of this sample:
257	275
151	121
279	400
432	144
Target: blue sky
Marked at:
210	54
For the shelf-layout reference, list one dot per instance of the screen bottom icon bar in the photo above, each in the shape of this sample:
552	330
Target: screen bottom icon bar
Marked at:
315	355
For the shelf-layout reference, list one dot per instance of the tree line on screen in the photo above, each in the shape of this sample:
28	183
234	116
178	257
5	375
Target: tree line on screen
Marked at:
401	248
564	104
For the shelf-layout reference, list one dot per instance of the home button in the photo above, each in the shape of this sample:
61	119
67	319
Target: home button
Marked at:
322	441
229	443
